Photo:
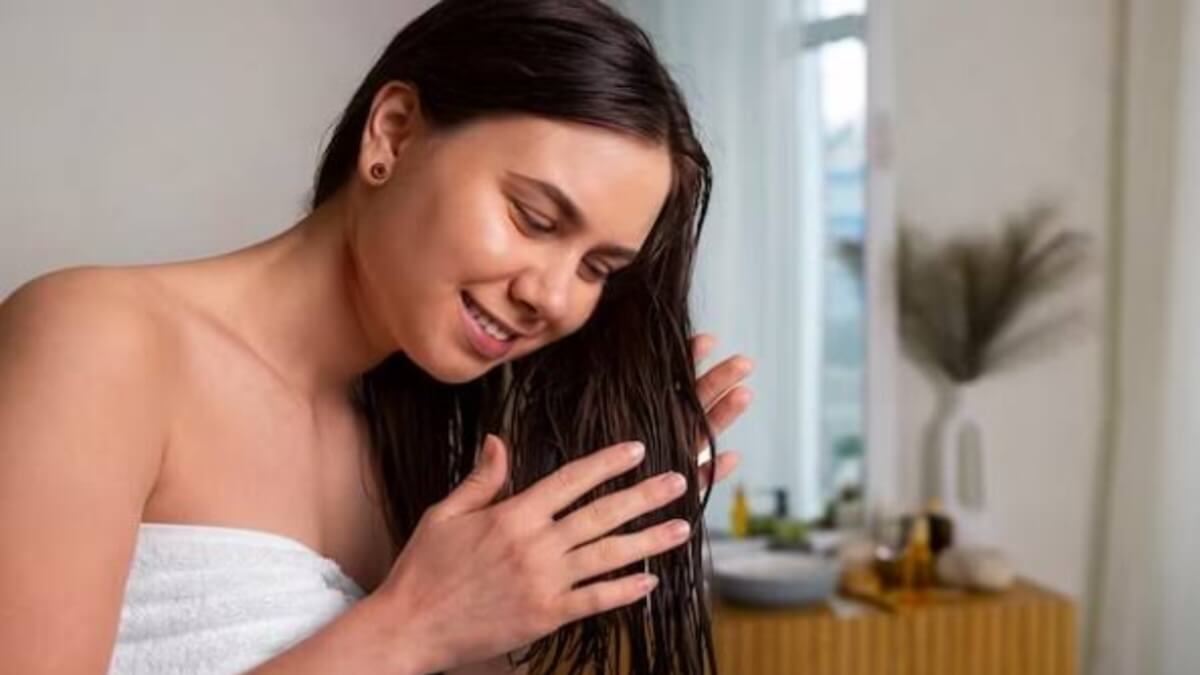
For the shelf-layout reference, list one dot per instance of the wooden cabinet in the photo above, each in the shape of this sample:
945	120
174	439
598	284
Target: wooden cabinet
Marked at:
1025	631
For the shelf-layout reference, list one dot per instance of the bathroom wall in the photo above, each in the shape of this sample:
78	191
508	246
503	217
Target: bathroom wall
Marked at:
136	131
999	103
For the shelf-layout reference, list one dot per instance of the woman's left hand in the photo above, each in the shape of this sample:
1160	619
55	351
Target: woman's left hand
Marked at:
724	399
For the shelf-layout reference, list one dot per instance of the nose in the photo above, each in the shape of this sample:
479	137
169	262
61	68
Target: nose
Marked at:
543	292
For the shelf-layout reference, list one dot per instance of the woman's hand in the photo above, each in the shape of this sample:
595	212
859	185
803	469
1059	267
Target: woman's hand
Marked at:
477	579
724	399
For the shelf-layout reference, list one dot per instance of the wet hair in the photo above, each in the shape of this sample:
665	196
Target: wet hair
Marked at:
626	374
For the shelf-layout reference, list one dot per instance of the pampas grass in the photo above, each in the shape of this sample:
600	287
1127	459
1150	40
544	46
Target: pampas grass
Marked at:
963	302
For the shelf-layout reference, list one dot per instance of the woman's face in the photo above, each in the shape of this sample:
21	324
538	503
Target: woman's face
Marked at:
490	241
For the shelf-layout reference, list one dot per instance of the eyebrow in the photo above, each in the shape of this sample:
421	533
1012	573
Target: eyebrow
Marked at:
572	213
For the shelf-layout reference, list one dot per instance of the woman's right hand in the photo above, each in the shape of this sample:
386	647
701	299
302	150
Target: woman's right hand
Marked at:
478	579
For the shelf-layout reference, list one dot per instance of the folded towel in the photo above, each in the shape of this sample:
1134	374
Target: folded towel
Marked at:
211	599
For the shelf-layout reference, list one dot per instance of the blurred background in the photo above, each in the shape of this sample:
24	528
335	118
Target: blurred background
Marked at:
955	236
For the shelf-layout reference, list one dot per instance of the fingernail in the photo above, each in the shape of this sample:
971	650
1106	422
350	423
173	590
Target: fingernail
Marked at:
676	483
679	529
636	450
648	582
485	451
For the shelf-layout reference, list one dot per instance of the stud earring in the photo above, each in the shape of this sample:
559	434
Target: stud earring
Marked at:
379	171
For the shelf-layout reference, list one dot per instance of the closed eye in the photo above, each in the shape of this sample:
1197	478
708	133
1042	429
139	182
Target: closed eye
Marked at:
532	221
599	272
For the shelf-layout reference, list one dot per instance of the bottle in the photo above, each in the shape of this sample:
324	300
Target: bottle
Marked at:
739	515
941	528
922	554
916	562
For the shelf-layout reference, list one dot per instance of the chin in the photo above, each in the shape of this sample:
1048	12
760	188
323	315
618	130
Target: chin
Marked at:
450	373
449	368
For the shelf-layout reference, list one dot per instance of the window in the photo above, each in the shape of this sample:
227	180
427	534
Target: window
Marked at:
833	100
778	89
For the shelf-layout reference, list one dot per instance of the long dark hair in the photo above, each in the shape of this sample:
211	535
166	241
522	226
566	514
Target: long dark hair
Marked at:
626	374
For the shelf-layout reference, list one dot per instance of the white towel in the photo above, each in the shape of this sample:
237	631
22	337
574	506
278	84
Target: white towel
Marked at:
210	599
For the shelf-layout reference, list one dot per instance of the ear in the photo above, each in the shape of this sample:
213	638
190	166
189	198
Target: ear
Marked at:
394	120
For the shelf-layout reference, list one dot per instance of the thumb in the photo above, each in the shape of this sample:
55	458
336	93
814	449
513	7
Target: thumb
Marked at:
483	484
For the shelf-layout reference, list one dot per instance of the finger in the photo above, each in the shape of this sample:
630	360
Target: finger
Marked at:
615	552
721	377
728	408
702	346
482	485
602	596
727	462
606	514
568	483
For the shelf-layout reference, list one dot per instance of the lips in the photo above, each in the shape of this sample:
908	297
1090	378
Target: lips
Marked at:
489	336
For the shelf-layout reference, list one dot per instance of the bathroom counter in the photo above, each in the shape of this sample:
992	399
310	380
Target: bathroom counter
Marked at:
1027	630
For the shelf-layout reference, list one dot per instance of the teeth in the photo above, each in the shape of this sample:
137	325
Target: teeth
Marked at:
488	325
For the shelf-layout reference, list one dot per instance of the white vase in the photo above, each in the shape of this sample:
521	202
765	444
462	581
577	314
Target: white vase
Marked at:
953	466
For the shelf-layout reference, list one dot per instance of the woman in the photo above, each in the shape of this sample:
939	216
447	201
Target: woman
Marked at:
268	459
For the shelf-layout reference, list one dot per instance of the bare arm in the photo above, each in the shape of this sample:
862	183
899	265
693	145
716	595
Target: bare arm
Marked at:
363	639
355	643
81	432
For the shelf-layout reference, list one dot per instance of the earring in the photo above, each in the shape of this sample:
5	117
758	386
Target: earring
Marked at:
379	171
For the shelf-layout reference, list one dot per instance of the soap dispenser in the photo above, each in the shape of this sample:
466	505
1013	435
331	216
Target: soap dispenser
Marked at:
739	515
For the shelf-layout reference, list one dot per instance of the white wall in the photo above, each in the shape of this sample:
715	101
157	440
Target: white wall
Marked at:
999	103
139	131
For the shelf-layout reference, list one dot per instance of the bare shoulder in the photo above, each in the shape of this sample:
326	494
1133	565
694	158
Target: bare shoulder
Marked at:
109	295
87	349
84	366
91	313
86	334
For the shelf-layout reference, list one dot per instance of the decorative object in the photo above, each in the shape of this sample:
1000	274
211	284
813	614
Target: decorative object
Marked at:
967	309
977	569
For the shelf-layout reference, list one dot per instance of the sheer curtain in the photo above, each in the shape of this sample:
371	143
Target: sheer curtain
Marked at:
1148	555
738	64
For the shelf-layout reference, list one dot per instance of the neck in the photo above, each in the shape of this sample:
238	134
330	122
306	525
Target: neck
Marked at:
295	300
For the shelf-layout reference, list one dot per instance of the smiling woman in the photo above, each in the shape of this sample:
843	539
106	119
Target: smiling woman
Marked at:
451	415
541	207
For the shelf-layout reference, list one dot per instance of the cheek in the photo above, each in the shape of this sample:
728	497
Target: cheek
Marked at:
467	241
582	307
488	235
413	246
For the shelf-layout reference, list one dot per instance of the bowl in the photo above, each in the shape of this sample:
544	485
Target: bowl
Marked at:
776	578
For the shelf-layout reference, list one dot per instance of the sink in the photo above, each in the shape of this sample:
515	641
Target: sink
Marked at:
775	578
